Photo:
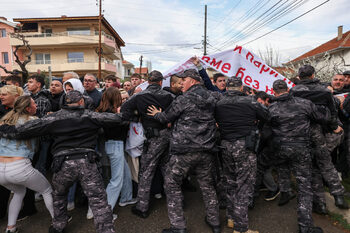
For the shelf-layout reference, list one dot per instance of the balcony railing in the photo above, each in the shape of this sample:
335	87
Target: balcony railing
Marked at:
64	61
36	34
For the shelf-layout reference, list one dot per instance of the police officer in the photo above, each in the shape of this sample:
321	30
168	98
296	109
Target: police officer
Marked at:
237	115
290	122
192	139
74	130
157	135
309	87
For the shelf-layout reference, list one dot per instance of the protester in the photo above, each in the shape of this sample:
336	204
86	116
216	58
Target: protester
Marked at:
135	81
16	171
56	92
127	85
89	83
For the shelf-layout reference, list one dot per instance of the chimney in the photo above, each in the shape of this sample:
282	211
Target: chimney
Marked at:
340	33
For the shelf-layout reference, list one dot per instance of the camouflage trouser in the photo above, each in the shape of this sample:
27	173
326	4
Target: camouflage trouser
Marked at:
150	159
284	176
201	164
240	168
323	167
298	160
92	183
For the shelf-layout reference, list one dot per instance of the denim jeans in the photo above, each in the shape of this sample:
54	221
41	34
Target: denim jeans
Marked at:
18	175
120	182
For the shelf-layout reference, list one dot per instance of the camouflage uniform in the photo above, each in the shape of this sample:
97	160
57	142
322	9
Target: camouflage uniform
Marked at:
236	115
75	131
150	159
156	145
192	138
322	164
91	181
290	123
240	167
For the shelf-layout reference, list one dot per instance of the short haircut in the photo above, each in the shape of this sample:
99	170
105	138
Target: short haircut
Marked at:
262	95
91	75
135	75
217	75
174	79
40	79
72	73
14	79
246	90
306	71
111	77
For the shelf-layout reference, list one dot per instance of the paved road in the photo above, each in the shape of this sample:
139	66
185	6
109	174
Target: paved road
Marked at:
267	217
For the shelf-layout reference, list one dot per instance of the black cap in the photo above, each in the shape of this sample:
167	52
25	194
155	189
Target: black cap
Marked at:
306	71
192	73
73	97
155	76
347	72
234	82
279	85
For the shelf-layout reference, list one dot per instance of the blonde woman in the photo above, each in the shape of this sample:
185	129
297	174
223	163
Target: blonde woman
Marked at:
16	171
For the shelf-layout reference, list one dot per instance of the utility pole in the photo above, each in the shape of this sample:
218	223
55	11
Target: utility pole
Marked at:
99	39
141	63
205	31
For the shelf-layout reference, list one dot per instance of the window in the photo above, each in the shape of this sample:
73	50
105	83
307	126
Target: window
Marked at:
48	31
42	58
2	32
78	31
75	57
5	58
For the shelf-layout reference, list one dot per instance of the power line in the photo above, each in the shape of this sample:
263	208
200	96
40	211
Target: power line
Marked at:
225	17
287	22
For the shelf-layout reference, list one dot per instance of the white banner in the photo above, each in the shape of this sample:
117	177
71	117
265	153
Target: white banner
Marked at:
238	62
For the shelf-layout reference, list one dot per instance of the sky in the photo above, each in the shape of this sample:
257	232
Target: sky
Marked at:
166	32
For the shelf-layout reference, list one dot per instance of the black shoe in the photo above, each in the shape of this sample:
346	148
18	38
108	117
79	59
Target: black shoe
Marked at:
215	229
310	229
139	213
286	197
319	208
24	215
271	195
340	202
174	230
54	230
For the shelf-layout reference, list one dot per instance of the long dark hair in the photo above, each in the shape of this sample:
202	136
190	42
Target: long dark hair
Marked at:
111	100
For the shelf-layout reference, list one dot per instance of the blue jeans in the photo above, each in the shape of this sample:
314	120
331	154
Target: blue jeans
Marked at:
120	182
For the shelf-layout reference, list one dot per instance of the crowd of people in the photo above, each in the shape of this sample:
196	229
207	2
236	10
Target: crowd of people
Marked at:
234	140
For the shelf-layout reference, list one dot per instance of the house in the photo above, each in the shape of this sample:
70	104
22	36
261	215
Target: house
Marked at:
70	44
128	69
144	72
329	58
6	27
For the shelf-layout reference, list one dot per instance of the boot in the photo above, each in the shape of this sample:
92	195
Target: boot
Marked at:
286	197
54	230
340	202
248	231
139	213
319	208
215	229
303	229
174	230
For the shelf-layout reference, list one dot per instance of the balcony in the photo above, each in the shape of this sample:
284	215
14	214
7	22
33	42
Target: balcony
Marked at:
66	65
66	39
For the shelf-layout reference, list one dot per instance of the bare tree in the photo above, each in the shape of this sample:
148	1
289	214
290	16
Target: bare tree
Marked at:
326	66
270	56
22	64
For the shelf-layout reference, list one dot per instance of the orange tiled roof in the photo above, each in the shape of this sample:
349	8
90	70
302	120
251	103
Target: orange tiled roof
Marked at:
328	46
144	70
